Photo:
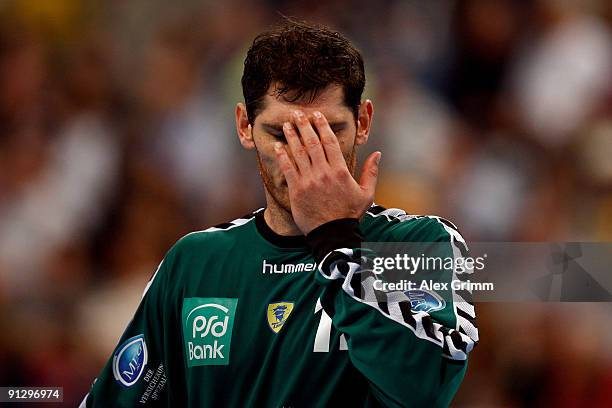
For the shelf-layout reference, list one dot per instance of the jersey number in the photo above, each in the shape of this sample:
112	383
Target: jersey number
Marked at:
323	336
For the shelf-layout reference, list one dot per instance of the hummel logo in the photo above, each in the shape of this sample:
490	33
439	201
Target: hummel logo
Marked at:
268	268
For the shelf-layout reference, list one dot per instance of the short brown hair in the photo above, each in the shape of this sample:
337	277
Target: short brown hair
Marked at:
302	59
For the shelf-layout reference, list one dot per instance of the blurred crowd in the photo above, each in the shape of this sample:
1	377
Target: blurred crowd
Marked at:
117	137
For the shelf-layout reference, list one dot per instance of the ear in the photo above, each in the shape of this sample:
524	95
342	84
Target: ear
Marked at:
364	121
243	127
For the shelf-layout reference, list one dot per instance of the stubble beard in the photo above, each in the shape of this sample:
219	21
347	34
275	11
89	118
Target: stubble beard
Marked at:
281	197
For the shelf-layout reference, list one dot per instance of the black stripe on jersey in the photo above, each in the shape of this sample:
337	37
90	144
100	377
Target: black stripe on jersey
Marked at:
458	342
224	225
448	224
445	348
343	267
326	265
356	285
376	209
465	295
381	299
428	326
462	247
466	316
462	330
365	274
407	314
334	261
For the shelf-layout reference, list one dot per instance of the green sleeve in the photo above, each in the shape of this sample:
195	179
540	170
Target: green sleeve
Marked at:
136	372
410	357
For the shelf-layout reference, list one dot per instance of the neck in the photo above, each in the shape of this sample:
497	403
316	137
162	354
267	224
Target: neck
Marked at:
279	219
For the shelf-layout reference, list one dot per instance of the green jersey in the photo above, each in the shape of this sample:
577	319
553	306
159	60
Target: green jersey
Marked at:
237	315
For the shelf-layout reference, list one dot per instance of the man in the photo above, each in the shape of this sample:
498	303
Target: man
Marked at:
268	310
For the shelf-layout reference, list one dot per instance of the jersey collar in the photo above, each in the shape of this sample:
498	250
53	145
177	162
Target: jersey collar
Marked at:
283	241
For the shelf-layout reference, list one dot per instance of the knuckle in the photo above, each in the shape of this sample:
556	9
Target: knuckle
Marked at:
328	141
310	184
301	188
300	151
312	142
340	173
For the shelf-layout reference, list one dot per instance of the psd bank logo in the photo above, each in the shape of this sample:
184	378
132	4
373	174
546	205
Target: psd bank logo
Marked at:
207	330
130	360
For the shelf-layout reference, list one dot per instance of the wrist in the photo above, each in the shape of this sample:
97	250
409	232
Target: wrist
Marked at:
340	233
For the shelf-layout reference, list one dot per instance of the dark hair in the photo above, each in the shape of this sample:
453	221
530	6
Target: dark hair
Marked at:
301	59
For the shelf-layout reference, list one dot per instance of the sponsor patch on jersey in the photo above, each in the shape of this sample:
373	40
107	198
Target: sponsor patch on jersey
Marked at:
422	300
207	330
268	268
130	360
278	314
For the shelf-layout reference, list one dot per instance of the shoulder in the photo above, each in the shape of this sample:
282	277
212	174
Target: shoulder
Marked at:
218	236
394	224
195	248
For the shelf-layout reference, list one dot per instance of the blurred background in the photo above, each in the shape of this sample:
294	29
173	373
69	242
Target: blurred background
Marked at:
117	137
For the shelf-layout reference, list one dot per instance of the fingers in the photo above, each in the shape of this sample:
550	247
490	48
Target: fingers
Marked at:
369	174
310	139
285	164
329	141
297	149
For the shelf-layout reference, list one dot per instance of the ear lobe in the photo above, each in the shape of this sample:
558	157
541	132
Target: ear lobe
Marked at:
244	128
247	141
364	122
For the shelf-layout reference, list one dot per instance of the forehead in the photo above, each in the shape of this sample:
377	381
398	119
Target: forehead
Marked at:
329	101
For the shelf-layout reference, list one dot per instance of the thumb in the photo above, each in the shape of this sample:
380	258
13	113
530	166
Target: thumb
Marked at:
369	173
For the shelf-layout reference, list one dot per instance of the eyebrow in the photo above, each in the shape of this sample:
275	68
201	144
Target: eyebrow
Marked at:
276	128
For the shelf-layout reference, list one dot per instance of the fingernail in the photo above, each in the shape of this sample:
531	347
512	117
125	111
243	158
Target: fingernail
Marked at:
299	115
287	126
317	114
277	146
378	158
